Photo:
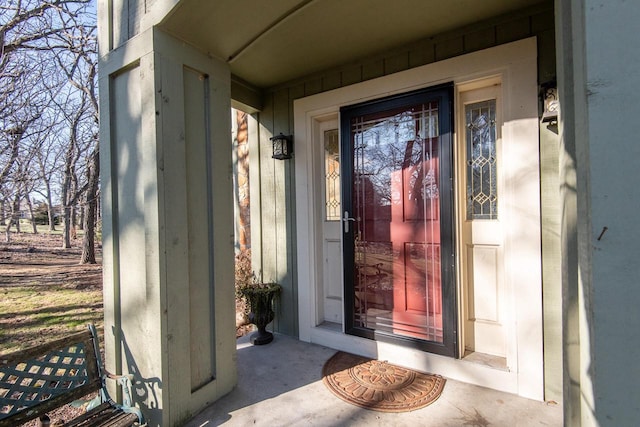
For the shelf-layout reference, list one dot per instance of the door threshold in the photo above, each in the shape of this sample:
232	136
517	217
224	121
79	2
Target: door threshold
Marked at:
332	326
485	359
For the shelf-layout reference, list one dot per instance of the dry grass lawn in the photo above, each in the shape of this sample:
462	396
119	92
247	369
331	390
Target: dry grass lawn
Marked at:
44	292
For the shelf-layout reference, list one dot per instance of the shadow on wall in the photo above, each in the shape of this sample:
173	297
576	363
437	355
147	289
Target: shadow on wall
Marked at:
144	389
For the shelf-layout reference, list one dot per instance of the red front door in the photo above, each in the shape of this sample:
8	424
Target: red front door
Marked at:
415	237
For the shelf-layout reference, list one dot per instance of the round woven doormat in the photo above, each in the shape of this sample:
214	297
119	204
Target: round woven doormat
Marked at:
378	385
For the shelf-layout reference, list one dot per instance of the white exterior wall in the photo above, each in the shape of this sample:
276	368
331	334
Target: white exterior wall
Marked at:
612	154
168	224
598	55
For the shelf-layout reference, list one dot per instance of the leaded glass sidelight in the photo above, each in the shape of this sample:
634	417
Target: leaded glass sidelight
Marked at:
482	179
332	175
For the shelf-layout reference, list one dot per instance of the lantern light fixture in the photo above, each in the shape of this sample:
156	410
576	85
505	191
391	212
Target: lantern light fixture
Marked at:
282	146
551	105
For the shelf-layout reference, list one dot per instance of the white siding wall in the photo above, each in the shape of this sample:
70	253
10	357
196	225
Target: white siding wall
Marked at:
598	51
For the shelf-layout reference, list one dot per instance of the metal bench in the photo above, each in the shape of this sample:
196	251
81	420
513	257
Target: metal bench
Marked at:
39	379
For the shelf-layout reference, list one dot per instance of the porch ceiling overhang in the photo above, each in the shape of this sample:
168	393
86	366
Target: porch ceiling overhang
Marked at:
267	43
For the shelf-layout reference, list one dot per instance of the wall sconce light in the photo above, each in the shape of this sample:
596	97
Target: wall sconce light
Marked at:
551	106
282	146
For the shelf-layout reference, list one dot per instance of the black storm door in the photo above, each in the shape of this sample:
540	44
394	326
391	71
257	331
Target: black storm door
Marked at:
398	220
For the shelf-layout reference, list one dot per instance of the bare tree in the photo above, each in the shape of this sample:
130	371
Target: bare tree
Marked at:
27	182
70	193
48	160
15	180
10	150
91	215
29	39
79	64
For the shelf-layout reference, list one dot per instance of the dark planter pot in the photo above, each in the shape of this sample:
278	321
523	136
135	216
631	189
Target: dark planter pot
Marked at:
260	299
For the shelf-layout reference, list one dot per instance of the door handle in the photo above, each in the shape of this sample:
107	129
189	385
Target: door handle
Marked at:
345	219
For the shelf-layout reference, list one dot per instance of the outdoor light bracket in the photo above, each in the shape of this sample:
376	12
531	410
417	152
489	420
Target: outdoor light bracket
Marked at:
282	146
551	105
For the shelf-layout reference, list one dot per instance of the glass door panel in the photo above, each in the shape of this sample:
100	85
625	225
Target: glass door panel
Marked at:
392	220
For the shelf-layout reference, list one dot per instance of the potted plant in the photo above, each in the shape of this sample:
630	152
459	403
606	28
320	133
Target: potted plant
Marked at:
255	298
260	299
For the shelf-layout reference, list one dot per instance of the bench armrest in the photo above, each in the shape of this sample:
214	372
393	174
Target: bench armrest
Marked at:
127	404
125	381
116	376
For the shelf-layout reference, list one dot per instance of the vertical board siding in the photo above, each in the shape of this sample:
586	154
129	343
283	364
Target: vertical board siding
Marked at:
546	61
127	153
198	225
551	252
284	239
292	270
255	190
481	39
332	80
277	215
513	30
174	226
134	197
294	93
543	21
311	87
135	10
125	18
422	54
450	48
351	74
396	63
194	168
118	15
267	270
373	69
281	111
122	92
543	25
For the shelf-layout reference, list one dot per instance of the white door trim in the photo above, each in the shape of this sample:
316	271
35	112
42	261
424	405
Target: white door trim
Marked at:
515	64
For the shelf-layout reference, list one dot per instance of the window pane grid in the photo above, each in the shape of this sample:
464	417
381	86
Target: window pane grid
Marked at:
332	175
482	179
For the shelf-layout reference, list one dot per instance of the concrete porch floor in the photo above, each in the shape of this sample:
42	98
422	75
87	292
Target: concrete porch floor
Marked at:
280	384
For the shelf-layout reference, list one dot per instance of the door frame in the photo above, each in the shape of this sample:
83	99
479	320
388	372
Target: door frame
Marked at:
516	65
